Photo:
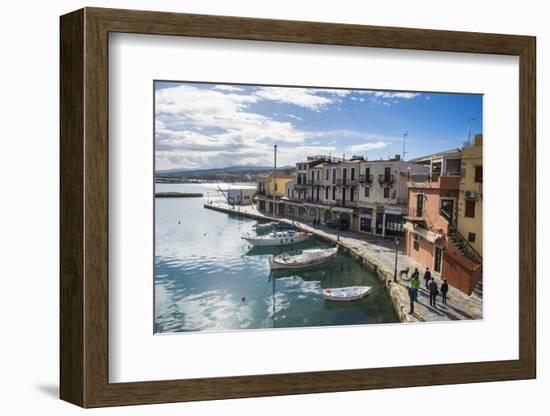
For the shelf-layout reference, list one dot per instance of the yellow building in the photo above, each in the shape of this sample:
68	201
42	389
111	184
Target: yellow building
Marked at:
267	185
470	211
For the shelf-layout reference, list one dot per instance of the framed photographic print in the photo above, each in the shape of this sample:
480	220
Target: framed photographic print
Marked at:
260	207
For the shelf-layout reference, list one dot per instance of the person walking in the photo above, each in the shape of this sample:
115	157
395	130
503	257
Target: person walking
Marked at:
444	290
415	283
427	277
434	291
416	274
412	297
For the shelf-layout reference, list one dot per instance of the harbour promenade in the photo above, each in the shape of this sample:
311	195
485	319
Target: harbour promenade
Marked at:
378	254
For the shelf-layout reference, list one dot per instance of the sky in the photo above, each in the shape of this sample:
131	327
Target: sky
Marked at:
207	125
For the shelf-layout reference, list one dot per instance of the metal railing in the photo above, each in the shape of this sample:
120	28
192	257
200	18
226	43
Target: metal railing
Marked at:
414	213
365	178
386	179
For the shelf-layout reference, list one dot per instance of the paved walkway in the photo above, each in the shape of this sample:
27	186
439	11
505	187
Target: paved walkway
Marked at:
378	253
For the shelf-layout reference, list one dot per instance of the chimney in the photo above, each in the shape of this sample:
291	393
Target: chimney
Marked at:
397	157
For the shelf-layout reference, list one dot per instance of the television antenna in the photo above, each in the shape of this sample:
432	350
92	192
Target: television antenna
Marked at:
404	138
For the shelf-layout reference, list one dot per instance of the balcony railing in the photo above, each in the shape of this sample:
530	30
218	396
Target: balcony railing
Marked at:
365	178
414	214
386	179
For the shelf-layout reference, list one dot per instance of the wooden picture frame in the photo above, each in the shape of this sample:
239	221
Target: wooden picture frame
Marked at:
84	207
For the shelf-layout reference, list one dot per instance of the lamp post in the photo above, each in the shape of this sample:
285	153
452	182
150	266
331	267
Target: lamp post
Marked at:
395	268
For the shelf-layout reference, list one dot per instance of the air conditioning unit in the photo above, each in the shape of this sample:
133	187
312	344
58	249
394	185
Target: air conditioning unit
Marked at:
470	195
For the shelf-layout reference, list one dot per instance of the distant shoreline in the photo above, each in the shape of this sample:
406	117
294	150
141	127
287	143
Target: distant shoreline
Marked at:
178	195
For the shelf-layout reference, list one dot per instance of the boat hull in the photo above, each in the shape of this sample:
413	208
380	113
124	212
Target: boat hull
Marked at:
346	294
276	265
273	242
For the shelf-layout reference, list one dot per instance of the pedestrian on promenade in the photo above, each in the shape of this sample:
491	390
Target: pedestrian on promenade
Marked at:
434	291
416	274
412	297
444	290
415	283
427	277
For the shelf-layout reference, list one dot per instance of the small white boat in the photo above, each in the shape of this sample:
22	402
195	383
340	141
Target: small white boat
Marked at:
303	258
346	293
279	238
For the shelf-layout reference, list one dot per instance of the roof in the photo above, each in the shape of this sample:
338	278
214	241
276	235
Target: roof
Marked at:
437	154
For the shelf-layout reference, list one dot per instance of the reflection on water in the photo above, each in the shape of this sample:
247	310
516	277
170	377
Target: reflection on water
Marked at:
208	278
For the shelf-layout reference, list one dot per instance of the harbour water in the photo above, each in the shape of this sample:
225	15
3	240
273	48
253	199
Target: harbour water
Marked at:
209	279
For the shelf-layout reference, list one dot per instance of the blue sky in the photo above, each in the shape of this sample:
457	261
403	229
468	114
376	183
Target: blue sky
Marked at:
203	125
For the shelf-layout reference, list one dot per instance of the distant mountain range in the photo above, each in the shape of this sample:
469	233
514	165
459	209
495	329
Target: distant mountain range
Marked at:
240	168
244	173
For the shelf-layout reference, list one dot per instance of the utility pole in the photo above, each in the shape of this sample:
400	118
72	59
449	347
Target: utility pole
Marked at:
274	175
404	137
470	129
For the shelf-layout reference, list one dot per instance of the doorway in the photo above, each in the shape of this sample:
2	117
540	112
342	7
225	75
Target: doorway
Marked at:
437	259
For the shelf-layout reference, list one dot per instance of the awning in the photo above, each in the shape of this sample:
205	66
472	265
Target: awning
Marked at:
341	209
308	204
422	232
392	209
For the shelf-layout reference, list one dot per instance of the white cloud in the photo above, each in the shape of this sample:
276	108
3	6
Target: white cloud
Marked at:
302	97
365	147
198	127
227	88
294	117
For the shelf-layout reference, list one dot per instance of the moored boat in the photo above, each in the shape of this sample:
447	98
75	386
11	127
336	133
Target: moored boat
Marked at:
346	294
271	226
279	238
302	258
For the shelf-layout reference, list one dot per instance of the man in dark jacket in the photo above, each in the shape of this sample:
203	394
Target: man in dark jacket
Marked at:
434	291
444	290
412	297
427	277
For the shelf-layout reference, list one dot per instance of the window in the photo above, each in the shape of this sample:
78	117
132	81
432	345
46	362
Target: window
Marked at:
352	174
367	174
327	190
479	174
472	237
352	195
333	179
318	174
327	174
470	209
367	191
386	192
334	193
416	242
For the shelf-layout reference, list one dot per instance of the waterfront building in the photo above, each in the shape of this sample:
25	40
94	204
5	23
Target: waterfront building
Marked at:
383	194
244	196
270	186
470	211
366	196
431	227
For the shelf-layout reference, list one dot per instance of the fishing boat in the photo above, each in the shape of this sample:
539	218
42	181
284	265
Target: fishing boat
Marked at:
278	238
271	226
302	258
346	293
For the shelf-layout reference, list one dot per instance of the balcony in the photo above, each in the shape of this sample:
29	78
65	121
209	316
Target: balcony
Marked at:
365	179
414	214
346	182
386	179
345	203
435	181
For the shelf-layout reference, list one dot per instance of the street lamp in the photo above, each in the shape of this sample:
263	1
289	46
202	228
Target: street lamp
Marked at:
395	268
